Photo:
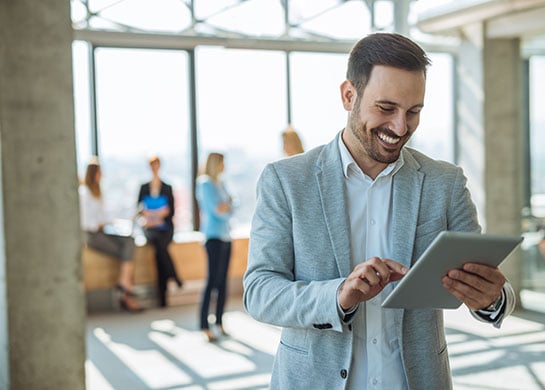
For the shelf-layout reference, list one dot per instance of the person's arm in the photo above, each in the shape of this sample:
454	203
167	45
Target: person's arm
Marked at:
170	200
477	286
504	307
141	194
211	202
271	292
484	290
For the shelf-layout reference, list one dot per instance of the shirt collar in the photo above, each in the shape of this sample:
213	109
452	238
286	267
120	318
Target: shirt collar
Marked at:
349	163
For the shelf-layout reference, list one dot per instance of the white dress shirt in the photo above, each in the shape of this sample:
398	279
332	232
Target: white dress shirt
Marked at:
376	357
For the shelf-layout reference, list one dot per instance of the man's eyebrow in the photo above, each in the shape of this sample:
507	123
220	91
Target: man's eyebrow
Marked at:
419	105
386	102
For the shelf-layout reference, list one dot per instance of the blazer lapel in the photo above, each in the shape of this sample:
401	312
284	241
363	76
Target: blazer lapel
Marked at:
329	179
407	187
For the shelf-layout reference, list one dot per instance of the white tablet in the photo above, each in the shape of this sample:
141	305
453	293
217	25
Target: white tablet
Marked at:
421	287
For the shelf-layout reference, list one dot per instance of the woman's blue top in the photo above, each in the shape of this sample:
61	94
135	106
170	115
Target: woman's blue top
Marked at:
209	195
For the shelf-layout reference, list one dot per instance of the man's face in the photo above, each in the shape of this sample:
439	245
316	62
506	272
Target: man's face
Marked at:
384	117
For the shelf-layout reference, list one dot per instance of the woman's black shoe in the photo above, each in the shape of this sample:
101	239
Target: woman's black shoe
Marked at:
123	290
129	305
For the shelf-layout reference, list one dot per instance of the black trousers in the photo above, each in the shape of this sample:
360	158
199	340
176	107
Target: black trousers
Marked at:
219	255
160	240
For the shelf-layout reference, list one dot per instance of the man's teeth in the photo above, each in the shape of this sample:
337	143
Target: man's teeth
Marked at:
390	140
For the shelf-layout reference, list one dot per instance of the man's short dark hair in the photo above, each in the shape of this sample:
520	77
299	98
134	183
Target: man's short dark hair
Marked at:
388	49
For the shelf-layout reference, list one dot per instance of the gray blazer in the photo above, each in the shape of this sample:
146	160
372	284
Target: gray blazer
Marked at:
300	253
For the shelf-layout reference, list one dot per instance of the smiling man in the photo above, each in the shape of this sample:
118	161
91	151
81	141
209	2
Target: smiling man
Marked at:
335	226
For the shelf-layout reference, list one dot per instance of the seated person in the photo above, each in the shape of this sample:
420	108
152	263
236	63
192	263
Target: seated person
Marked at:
93	221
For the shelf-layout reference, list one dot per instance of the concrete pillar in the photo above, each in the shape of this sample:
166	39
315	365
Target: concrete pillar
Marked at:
470	108
490	133
42	318
504	132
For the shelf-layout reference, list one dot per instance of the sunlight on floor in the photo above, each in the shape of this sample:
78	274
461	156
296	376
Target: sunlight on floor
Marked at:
164	349
176	357
481	356
152	367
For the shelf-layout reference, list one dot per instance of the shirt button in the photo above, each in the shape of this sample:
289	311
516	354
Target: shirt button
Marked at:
375	381
372	221
374	341
344	373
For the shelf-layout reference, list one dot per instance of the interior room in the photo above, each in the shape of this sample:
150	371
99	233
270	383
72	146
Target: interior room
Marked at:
123	81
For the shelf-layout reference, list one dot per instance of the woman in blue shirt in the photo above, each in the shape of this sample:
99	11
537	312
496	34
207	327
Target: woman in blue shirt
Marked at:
216	208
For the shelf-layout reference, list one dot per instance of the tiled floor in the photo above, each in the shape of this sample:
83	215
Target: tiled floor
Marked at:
163	349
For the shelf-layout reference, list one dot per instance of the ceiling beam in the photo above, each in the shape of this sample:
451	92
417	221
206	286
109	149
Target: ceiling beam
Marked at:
163	41
452	17
528	23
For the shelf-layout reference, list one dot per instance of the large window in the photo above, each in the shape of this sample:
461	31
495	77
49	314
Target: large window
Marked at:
143	104
241	111
317	111
82	104
435	134
142	110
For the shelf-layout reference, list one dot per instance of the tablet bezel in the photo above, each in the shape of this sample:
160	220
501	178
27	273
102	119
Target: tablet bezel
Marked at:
447	251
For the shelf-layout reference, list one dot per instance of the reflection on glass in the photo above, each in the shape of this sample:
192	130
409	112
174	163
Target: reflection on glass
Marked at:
142	109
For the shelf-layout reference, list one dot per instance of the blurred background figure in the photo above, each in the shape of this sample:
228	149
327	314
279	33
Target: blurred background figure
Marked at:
541	247
101	234
215	205
156	205
291	142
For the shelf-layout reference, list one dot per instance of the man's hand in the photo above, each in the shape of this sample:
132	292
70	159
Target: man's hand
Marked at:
476	285
368	279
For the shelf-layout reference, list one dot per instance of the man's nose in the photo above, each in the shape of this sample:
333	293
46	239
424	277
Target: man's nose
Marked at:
399	125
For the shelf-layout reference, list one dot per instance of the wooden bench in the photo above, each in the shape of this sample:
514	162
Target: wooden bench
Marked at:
101	272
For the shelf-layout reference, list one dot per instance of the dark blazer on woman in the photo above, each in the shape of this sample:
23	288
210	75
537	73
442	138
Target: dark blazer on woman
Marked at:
160	238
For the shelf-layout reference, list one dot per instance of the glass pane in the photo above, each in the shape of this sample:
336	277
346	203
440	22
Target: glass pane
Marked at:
143	110
317	111
157	15
253	17
241	111
435	134
537	134
82	104
348	20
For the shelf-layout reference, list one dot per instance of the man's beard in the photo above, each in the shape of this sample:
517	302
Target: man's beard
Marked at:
368	139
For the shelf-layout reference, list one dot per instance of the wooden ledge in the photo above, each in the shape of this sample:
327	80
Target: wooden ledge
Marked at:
101	271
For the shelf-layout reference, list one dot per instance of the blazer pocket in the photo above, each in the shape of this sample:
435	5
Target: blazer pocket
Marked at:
294	340
426	228
426	232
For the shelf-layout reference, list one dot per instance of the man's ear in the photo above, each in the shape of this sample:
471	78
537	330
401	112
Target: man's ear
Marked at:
348	95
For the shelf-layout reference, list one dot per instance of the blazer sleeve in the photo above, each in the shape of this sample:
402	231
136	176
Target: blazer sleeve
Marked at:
272	294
